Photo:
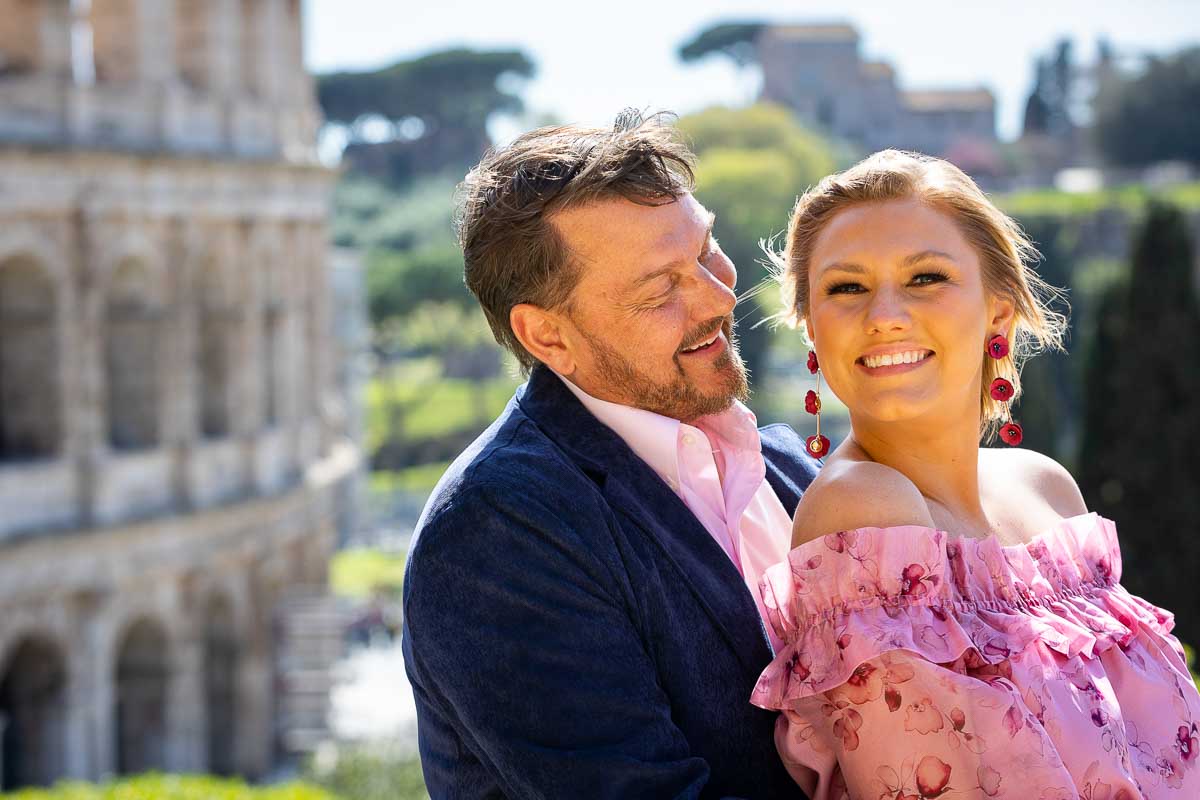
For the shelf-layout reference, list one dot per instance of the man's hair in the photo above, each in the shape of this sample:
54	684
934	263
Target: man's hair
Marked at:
512	252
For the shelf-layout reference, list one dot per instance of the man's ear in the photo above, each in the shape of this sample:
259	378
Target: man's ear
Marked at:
543	334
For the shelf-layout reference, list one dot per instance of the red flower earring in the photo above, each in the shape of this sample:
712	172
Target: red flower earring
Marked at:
818	445
1002	391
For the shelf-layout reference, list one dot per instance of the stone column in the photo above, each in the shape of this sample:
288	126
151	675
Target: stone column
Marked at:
179	407
89	415
248	417
187	744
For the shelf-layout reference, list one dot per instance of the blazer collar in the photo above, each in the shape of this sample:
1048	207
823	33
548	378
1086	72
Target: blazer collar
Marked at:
640	495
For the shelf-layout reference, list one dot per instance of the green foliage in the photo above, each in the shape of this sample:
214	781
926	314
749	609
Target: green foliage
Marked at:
361	572
173	787
432	405
1141	433
401	282
439	105
413	480
372	773
751	165
1152	117
458	86
732	39
1132	199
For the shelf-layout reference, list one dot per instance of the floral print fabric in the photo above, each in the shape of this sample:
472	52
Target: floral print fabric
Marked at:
918	665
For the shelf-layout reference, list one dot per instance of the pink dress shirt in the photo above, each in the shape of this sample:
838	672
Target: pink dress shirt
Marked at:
716	467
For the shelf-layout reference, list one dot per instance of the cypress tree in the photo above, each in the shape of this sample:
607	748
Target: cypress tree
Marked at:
1140	451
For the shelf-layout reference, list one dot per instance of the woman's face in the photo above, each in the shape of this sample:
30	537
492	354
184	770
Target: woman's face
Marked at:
898	312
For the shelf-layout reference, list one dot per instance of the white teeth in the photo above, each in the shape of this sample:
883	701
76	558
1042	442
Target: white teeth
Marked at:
890	359
702	344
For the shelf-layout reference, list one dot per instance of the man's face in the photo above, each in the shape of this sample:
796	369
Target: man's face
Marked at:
653	308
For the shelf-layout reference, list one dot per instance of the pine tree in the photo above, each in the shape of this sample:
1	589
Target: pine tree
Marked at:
1140	454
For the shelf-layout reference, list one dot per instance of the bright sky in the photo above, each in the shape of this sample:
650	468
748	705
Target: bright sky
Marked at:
595	58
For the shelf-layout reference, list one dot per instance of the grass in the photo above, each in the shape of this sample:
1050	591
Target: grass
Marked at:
154	786
369	772
359	572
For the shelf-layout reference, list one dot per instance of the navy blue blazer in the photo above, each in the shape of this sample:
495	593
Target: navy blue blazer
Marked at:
572	631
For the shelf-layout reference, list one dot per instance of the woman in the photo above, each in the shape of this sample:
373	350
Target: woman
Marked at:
953	620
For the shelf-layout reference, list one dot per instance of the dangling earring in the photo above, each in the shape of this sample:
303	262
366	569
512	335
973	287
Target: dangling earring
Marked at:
818	445
1002	391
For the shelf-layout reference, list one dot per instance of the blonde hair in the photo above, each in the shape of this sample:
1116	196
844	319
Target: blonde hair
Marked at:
1006	255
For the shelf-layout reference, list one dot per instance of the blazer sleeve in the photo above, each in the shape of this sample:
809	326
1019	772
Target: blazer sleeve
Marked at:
526	660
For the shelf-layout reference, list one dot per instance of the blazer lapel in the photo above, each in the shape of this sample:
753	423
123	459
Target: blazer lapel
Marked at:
638	493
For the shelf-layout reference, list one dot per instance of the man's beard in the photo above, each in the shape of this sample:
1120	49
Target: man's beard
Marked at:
676	398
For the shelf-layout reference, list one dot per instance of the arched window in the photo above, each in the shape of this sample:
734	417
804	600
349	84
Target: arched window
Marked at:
114	25
143	675
215	331
220	685
132	368
20	36
194	41
33	701
30	417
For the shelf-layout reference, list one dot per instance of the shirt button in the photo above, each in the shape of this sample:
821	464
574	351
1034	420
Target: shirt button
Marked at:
688	439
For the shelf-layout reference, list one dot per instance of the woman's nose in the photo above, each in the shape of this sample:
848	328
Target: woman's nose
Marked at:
887	312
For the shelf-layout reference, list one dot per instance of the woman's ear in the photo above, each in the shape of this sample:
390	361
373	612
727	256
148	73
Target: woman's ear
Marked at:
808	332
1003	317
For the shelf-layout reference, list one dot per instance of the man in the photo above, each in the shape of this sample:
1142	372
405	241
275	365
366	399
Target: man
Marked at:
581	615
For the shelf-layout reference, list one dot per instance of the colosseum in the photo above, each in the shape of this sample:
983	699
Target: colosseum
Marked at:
174	448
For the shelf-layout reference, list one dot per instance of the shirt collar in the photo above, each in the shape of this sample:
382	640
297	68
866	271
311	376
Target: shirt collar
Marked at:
655	438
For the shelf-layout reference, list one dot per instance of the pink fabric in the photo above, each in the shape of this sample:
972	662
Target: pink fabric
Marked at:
716	467
919	666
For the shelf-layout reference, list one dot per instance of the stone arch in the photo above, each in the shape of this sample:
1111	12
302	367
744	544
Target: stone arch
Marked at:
133	323
194	42
33	702
142	679
220	683
30	392
115	53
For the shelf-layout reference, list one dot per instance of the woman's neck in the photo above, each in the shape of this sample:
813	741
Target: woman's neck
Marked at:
942	461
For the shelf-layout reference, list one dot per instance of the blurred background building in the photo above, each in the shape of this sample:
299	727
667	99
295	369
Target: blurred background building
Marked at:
176	450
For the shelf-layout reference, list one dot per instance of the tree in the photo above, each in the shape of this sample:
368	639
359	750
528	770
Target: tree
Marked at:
1153	116
752	164
1048	109
732	39
434	109
1138	459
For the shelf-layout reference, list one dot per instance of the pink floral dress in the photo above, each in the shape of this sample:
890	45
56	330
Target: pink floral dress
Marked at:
918	665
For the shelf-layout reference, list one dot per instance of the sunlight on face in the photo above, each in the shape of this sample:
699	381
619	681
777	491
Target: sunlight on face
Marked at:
654	286
898	312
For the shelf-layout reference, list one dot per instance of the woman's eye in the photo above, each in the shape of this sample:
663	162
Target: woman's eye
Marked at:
926	278
845	288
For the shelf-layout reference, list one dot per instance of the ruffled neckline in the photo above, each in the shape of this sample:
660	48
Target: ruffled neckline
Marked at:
843	598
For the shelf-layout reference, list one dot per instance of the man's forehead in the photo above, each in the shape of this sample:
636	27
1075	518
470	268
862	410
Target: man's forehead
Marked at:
619	228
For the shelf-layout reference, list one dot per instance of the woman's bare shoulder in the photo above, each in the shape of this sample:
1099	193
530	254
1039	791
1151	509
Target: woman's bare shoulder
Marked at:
849	494
1037	477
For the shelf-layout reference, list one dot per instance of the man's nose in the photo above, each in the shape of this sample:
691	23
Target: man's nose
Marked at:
717	280
887	311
